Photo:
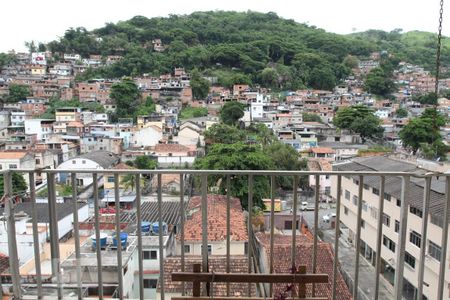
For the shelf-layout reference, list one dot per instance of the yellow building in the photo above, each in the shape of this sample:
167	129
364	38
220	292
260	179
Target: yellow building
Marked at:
109	178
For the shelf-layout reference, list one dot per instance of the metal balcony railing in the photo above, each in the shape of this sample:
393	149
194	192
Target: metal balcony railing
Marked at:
54	280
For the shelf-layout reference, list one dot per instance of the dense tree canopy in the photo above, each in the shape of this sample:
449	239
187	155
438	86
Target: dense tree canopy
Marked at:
307	117
379	82
231	112
423	132
18	92
126	96
200	86
238	156
359	119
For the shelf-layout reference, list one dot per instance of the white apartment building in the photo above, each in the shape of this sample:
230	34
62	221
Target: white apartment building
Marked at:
391	218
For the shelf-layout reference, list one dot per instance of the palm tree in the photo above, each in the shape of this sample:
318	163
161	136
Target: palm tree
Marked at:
129	181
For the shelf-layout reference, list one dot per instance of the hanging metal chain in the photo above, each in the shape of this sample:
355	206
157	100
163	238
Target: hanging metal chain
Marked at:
438	50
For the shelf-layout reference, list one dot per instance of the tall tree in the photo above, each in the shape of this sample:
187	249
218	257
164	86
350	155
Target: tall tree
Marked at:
238	156
423	130
18	92
126	96
200	86
231	112
378	82
359	119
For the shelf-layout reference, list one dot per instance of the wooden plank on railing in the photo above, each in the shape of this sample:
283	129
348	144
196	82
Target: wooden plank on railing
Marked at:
302	286
195	283
249	278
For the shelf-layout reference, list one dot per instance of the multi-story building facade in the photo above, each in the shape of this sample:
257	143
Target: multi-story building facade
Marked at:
391	221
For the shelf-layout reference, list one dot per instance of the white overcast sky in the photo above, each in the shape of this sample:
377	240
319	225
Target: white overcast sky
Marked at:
45	20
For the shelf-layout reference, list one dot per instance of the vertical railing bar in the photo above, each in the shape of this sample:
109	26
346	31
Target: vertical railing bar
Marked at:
204	205
97	236
37	251
139	235
443	262
336	235
228	230
294	224
249	228
76	233
12	242
316	229
398	283
182	216
160	234
358	236
272	228
118	239
54	235
379	235
425	212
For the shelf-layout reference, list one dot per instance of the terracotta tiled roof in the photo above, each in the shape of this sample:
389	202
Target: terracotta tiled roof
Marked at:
171	148
238	264
4	263
166	179
12	155
304	252
325	165
322	150
123	166
217	216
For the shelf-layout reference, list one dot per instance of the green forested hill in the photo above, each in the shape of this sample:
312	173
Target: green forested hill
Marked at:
416	47
237	47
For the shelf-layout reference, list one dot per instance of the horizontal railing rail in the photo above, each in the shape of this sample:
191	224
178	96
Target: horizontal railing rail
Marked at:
15	283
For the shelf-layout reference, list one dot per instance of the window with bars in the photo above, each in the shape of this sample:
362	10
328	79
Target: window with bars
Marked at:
374	213
386	220
376	191
150	283
389	243
355	200
434	250
415	211
410	260
415	238
152	254
387	197
436	221
347	195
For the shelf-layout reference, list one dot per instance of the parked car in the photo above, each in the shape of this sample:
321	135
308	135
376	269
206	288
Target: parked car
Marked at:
326	218
306	206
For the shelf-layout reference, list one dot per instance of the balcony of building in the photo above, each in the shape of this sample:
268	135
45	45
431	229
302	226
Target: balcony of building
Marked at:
66	247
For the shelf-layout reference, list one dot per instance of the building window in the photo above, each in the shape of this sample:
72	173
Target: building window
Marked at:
38	161
111	179
152	254
387	197
415	238
13	166
364	205
386	220
399	202
363	224
376	191
434	250
410	260
436	221
374	212
187	249
345	210
209	249
347	195
73	162
397	226
355	200
83	162
150	283
366	186
388	243
355	181
415	211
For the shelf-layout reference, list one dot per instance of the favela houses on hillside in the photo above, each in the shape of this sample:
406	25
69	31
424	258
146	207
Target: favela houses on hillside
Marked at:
225	155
